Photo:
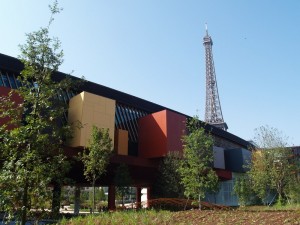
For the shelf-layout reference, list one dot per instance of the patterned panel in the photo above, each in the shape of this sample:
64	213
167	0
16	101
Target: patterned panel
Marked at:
127	119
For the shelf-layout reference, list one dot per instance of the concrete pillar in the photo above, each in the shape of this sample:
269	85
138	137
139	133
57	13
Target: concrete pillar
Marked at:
77	200
148	196
111	197
138	197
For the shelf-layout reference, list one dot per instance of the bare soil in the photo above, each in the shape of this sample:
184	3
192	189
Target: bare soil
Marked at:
218	217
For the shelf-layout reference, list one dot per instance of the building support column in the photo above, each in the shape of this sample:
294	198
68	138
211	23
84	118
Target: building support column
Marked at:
77	200
111	197
138	197
56	192
148	196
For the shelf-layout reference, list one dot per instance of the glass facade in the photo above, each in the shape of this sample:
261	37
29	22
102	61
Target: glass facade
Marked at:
226	195
1	82
127	119
64	95
9	80
5	79
12	81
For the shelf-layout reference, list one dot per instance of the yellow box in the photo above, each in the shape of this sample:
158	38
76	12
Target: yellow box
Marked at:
89	109
121	142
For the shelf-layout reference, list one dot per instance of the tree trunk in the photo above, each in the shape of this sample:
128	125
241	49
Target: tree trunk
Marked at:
280	193
77	200
24	203
199	199
93	204
56	198
186	203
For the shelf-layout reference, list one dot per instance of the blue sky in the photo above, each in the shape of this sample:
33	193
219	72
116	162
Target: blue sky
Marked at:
153	49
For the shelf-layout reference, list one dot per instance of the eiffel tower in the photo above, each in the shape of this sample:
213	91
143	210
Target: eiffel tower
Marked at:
213	111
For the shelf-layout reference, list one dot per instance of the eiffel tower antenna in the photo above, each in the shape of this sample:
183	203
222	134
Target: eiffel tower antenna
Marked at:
213	111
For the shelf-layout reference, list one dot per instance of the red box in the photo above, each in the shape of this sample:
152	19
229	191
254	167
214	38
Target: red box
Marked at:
4	91
160	133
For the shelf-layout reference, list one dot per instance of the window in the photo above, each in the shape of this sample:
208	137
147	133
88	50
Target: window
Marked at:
1	82
126	118
12	81
5	80
19	84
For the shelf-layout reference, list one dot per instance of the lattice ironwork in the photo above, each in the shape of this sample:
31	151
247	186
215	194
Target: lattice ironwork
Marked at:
213	111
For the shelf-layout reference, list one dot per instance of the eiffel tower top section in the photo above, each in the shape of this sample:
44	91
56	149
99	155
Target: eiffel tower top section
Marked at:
213	111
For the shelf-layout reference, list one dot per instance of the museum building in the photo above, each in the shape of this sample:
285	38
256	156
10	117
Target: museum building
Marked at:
142	132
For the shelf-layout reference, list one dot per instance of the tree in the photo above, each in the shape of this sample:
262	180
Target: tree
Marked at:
96	156
197	175
168	181
292	192
101	194
32	148
259	174
242	188
122	181
272	167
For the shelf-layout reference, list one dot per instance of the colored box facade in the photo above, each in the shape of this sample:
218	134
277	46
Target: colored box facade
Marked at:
237	159
219	161
121	142
160	133
4	91
224	174
89	110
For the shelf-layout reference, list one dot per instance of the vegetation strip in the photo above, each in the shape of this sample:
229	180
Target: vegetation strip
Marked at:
189	217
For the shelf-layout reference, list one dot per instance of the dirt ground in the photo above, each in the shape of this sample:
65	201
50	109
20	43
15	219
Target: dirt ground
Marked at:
218	217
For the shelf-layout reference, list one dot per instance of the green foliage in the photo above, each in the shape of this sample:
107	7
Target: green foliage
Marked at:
96	156
122	181
150	217
87	198
273	166
31	151
197	175
267	137
168	182
100	194
124	217
242	188
259	174
292	192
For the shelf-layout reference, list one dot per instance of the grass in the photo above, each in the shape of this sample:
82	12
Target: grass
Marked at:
249	216
122	217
